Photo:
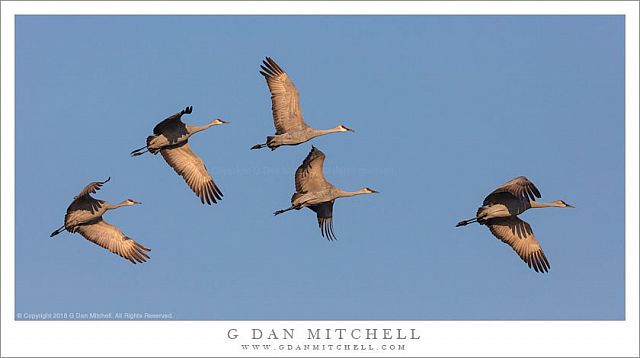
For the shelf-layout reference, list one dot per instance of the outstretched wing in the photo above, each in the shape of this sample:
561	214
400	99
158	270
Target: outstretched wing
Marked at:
82	210
84	200
188	165
285	99
309	175
171	122
518	234
112	239
324	212
520	187
91	188
515	194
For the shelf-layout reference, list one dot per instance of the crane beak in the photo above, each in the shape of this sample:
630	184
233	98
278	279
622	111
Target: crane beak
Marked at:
374	191
137	202
220	121
349	129
569	206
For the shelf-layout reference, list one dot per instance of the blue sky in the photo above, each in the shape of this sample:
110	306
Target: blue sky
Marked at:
445	108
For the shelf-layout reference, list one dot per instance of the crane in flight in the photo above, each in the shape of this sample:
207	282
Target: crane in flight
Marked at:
171	139
84	216
499	212
316	193
291	129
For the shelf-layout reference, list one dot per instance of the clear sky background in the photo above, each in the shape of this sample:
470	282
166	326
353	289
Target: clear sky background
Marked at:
445	108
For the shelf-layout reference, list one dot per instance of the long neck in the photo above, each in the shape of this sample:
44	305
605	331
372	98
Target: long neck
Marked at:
109	206
539	204
196	129
343	194
319	132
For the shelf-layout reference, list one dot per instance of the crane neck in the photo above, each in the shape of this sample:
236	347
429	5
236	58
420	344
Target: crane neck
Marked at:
540	204
109	206
195	129
319	132
345	194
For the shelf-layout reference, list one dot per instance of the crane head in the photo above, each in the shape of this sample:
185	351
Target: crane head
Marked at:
561	203
342	128
132	202
218	121
370	191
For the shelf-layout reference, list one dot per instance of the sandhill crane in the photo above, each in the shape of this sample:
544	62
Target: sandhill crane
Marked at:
499	213
171	138
291	128
84	216
316	193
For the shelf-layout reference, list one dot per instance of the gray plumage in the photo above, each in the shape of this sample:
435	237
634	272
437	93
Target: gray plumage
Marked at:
171	139
316	193
291	129
499	213
84	216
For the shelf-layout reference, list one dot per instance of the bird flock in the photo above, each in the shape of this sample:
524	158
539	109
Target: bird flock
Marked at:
499	211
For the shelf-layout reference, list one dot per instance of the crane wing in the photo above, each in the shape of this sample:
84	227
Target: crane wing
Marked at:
188	165
521	188
518	234
82	210
516	206
324	212
112	239
170	122
91	188
285	99
309	175
84	200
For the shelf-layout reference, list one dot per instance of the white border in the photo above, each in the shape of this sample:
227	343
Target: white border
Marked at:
208	338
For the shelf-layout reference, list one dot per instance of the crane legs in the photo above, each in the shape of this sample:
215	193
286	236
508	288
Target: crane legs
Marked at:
466	222
258	146
58	230
287	209
139	152
266	144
